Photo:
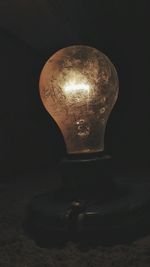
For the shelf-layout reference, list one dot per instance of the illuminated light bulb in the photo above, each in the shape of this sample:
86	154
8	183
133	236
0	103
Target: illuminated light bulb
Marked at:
79	87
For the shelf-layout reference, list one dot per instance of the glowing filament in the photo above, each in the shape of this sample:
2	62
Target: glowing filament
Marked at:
74	87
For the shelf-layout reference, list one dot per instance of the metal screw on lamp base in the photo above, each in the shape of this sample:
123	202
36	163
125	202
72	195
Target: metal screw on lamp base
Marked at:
90	205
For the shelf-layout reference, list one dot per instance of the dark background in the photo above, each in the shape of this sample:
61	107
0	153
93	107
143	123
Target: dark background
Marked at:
30	142
30	32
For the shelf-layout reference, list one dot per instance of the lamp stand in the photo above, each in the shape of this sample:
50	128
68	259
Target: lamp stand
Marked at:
90	204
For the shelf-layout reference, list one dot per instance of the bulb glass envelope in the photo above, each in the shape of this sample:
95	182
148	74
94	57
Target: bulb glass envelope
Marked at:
79	87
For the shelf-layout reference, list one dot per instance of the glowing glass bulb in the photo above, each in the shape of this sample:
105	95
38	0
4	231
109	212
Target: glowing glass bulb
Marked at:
79	87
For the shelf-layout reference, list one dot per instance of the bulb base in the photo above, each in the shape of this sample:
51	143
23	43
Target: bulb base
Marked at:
85	177
90	207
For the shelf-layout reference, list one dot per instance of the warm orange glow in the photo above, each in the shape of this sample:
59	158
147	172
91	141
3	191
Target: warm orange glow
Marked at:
79	87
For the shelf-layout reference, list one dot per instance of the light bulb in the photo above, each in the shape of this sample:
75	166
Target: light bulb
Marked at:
79	87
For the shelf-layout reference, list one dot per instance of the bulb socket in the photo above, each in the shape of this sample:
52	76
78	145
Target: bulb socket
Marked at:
85	176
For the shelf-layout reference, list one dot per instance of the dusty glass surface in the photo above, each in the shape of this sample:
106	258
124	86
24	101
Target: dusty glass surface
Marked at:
79	87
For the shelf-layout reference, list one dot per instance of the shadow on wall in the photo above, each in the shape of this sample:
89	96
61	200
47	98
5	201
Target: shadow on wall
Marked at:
29	139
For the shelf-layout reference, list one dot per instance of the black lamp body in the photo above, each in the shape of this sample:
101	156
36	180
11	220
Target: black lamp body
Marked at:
90	204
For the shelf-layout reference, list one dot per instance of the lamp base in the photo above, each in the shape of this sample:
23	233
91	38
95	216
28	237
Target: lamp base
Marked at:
109	211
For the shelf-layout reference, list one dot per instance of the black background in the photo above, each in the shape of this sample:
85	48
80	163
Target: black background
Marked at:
29	138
